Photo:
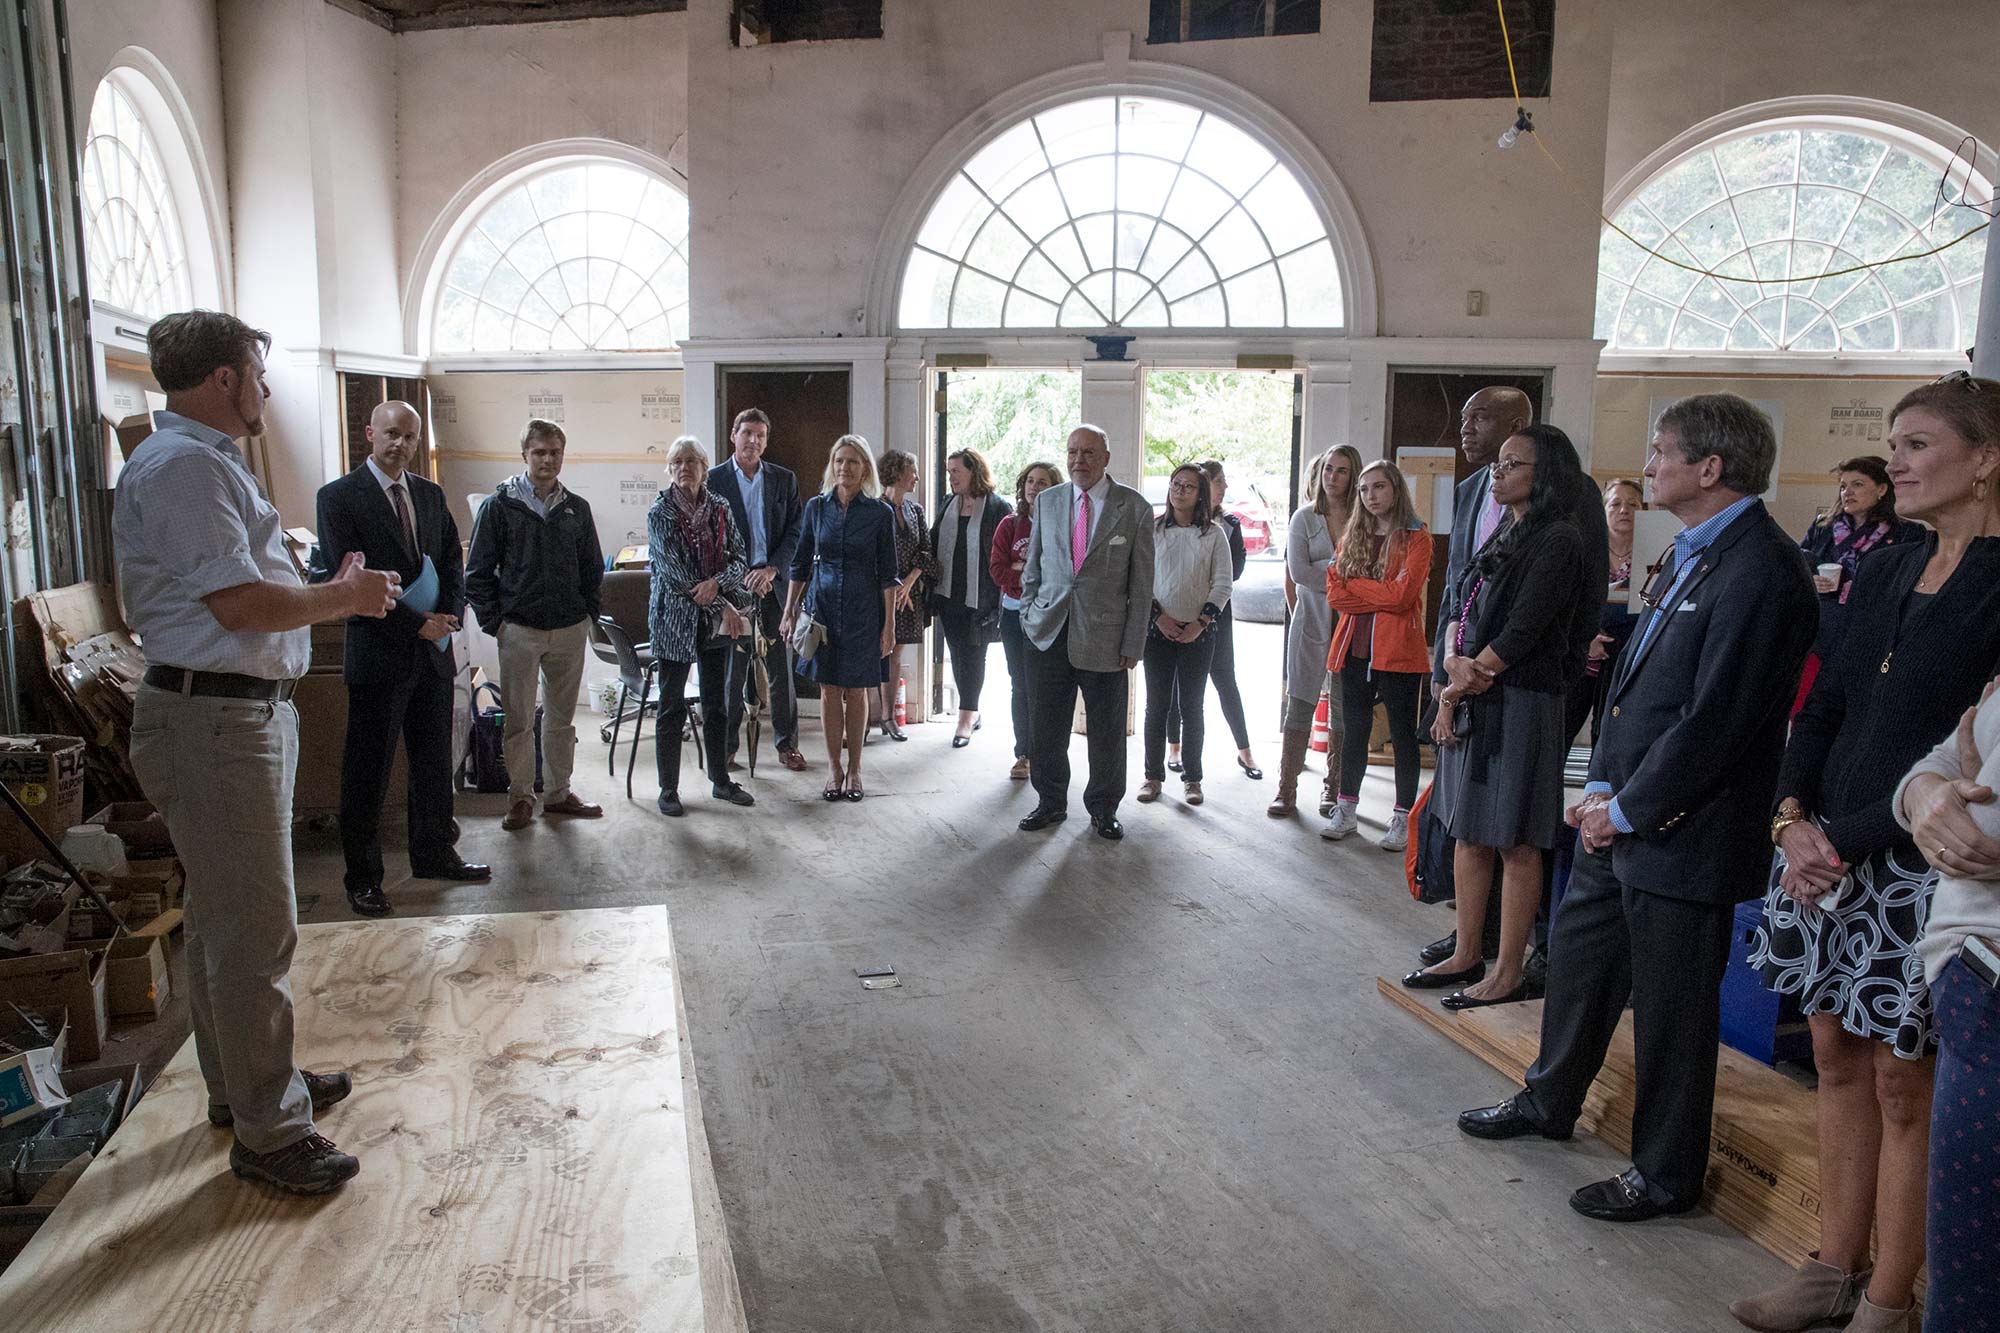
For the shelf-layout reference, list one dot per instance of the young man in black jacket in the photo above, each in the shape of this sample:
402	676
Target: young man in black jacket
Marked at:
532	578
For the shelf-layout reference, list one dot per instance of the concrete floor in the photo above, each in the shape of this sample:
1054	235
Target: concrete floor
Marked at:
1122	1086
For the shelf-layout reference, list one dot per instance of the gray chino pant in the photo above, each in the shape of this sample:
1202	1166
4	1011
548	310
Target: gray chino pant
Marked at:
220	771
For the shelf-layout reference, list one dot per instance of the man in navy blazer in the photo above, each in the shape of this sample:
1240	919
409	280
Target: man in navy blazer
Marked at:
1674	825
764	500
400	667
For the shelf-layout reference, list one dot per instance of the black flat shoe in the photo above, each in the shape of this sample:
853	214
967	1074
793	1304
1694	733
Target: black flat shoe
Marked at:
731	792
465	872
1175	766
833	789
853	792
1422	980
1505	1121
1458	999
670	804
898	734
368	901
1624	1198
1438	950
960	742
1250	771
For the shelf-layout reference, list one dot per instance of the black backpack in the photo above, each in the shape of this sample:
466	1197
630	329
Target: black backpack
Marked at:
485	766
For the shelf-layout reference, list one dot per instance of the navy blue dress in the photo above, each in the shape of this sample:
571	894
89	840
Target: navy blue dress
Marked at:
846	557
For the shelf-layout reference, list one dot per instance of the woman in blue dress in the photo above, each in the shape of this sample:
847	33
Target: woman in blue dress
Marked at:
847	558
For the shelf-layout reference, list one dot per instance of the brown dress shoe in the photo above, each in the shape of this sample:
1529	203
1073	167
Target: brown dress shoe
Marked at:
572	805
518	815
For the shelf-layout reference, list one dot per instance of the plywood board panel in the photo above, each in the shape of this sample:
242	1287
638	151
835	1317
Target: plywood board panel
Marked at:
518	1114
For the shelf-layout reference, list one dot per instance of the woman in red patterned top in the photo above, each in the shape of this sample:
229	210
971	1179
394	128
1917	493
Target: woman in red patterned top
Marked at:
1005	562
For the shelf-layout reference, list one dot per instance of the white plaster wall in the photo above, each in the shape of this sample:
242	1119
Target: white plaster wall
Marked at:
799	151
182	35
468	97
1674	66
353	86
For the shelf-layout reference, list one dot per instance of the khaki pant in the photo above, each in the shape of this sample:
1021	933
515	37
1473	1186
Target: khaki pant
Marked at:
554	659
220	770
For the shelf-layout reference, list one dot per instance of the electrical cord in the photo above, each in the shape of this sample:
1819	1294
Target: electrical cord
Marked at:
1524	123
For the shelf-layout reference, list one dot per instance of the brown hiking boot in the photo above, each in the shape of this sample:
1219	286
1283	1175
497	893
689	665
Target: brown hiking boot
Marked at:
324	1089
310	1166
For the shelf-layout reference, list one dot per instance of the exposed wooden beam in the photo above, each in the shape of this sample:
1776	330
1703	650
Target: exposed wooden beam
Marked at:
430	15
381	18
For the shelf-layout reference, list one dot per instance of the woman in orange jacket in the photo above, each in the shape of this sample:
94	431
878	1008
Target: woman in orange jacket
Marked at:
1377	584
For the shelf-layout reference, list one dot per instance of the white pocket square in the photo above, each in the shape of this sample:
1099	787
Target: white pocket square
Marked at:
1684	606
1116	541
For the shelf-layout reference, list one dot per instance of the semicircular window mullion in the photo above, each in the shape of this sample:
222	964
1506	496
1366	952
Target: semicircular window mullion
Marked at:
1122	213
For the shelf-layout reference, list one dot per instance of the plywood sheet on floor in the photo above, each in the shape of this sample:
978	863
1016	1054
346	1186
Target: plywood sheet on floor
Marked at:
518	1115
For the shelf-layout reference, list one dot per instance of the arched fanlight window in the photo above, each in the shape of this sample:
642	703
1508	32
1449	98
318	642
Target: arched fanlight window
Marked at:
1123	213
1775	212
574	256
135	249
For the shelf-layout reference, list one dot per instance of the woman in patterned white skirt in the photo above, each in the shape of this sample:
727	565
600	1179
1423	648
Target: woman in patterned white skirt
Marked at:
1850	893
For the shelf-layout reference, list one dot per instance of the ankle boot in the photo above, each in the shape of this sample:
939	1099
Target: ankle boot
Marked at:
1329	795
1817	1293
1291	763
1872	1318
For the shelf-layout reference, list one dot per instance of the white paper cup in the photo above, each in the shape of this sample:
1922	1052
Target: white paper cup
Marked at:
1830	572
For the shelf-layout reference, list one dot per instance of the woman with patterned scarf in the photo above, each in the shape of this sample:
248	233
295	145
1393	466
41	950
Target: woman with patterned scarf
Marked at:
696	614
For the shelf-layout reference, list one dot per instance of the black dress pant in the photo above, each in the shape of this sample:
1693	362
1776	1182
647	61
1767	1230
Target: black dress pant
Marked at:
1176	671
967	647
1014	642
1401	692
719	661
1221	670
416	707
1053	686
778	661
1611	942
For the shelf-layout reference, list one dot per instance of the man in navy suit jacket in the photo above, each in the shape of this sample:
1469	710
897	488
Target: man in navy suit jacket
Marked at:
764	500
400	667
1674	825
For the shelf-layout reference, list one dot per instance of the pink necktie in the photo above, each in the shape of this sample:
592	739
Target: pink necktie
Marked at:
1079	536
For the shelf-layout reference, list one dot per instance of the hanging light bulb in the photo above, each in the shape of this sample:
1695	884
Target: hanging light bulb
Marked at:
1523	124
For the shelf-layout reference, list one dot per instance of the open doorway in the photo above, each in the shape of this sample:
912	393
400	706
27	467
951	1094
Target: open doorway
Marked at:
1013	418
1249	421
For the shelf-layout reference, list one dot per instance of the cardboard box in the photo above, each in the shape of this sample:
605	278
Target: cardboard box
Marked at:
135	979
46	774
139	826
73	979
30	1083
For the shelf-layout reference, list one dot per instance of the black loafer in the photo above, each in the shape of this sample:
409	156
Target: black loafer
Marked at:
369	901
1422	980
732	792
1458	999
468	872
669	804
1438	950
1107	828
1042	817
1623	1198
1505	1121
